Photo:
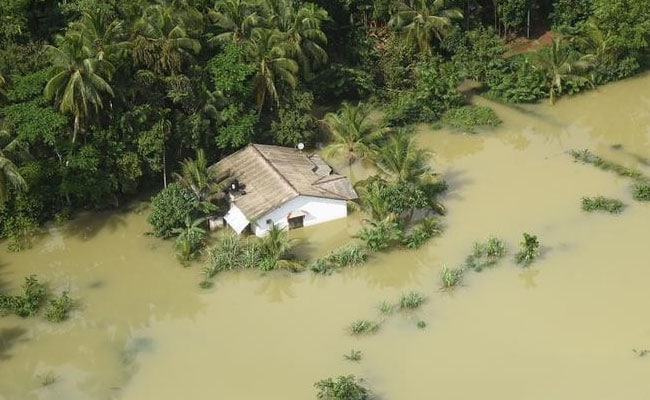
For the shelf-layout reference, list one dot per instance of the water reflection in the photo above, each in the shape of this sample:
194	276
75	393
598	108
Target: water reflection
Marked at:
528	276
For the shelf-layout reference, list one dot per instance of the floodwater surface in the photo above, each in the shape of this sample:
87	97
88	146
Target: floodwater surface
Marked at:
564	328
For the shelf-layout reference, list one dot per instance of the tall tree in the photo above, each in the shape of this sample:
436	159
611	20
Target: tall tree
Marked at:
81	80
352	131
202	181
270	51
103	32
234	19
420	21
9	174
560	64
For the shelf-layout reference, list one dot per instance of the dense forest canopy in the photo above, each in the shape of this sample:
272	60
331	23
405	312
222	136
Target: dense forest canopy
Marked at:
100	101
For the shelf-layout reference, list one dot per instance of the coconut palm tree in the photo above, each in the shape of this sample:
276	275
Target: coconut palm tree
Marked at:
161	42
352	132
81	80
189	238
201	180
399	159
560	64
3	86
270	51
9	174
302	28
103	32
235	19
419	21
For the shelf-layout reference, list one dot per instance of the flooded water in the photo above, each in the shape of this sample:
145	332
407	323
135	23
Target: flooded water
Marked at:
564	328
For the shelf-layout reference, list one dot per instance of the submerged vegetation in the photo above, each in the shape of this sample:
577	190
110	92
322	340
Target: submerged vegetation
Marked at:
341	388
451	277
33	297
468	118
528	250
363	326
348	255
59	308
411	300
601	203
485	254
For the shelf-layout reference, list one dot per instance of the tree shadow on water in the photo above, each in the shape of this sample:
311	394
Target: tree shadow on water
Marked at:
456	180
8	338
87	225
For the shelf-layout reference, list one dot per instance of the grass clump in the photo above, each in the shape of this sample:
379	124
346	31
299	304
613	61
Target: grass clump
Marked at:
347	255
587	157
386	308
354	355
641	191
426	229
421	324
486	254
343	388
451	277
59	308
468	118
601	203
529	250
411	300
363	326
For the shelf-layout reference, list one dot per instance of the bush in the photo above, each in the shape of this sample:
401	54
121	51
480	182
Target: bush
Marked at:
529	250
411	300
451	277
486	254
601	203
170	208
517	81
422	232
59	308
380	235
343	388
468	118
641	191
26	305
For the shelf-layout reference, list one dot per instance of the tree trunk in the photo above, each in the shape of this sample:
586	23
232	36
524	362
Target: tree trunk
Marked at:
76	128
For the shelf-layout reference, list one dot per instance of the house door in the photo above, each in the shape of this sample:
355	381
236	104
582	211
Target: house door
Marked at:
296	222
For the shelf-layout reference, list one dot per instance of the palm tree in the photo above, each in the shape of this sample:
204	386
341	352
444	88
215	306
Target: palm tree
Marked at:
302	29
189	238
559	64
161	42
419	21
9	174
201	180
352	132
400	160
81	80
372	202
235	19
269	50
103	33
3	85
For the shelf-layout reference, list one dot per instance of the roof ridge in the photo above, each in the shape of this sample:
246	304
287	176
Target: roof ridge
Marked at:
273	167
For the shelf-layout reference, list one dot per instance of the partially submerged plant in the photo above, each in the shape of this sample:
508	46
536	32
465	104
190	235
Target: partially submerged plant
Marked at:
601	203
354	355
363	326
486	254
529	250
348	255
421	324
411	300
641	191
588	157
451	277
385	308
423	231
59	308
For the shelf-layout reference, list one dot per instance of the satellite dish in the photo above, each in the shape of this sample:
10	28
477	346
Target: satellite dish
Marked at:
301	146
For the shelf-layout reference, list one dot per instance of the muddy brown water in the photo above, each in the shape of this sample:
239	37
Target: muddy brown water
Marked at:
564	328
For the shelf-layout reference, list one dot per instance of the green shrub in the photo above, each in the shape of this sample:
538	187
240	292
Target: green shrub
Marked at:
451	277
170	208
26	305
385	308
411	300
422	232
486	254
380	235
348	255
641	191
343	388
59	308
529	250
468	118
421	324
363	326
601	203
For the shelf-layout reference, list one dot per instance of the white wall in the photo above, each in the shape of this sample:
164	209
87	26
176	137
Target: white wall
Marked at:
316	209
236	219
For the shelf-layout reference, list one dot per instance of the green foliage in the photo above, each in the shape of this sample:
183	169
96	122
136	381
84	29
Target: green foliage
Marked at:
511	14
354	355
190	238
295	123
19	227
238	127
348	255
587	157
468	118
230	74
338	81
570	14
486	254
385	308
516	81
529	250
341	388
476	53
423	231
59	308
451	277
170	209
421	324
641	191
28	303
601	203
363	326
411	300
380	235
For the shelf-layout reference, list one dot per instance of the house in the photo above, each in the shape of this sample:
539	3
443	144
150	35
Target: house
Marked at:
282	186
